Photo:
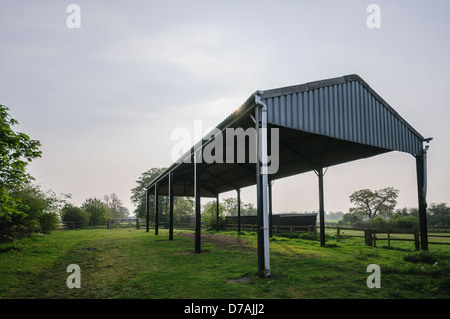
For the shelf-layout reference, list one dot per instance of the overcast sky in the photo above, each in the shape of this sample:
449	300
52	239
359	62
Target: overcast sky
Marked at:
104	99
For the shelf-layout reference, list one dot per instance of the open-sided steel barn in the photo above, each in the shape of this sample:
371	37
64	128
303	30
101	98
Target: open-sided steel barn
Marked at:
320	124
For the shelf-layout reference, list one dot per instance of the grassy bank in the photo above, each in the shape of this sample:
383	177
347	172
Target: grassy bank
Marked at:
130	263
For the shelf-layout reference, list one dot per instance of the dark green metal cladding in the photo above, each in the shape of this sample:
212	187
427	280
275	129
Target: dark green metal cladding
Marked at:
321	124
344	108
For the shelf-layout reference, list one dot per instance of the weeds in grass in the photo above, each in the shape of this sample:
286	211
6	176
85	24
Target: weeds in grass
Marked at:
135	264
332	244
363	254
421	257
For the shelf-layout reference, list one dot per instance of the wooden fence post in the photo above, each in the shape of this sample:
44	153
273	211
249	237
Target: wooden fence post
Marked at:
109	224
416	239
338	234
389	238
368	237
374	238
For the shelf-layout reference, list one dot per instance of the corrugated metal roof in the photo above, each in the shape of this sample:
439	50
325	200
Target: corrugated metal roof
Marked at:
344	108
322	123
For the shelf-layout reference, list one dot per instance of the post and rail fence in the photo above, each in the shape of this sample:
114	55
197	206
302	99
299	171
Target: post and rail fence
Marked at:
108	224
371	236
277	229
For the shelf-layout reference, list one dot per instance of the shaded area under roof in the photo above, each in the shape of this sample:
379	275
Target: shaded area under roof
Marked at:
321	124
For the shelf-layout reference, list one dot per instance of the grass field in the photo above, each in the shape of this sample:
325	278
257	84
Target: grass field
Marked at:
130	263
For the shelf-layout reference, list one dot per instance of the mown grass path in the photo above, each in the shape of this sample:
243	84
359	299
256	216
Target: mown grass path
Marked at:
130	263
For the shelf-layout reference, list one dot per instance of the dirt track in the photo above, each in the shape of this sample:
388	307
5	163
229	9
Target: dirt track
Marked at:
224	241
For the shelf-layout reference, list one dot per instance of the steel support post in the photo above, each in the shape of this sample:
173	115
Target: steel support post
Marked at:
198	222
147	209
270	208
260	241
239	208
171	206
217	213
156	209
321	208
262	188
421	192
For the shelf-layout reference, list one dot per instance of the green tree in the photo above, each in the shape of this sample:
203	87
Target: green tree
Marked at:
182	208
397	221
350	218
439	215
405	211
72	213
248	209
37	211
231	206
209	215
17	150
97	210
115	204
138	197
372	203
